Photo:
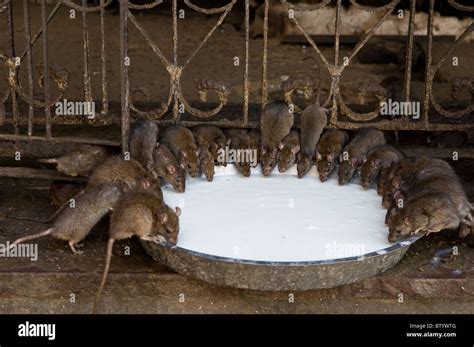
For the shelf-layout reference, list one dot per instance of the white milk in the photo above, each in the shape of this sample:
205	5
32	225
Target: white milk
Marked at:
278	218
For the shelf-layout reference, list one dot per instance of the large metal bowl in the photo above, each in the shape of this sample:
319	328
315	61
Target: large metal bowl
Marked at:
277	276
280	275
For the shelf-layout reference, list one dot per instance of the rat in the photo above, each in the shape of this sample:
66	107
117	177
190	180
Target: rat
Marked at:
180	141
239	141
384	184
356	151
432	175
145	215
255	142
143	138
424	214
329	148
206	163
116	169
61	192
313	120
289	148
377	159
80	162
211	137
166	166
75	222
275	125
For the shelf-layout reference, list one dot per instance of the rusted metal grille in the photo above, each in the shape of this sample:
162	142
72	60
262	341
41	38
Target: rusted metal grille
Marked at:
54	80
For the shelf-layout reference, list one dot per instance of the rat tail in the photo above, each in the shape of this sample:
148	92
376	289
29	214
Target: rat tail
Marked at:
110	246
32	237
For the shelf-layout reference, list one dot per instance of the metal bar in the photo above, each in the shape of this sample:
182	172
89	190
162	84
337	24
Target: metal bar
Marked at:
47	110
176	114
409	52
59	139
105	97
13	94
246	70
29	62
124	80
429	60
87	73
265	55
28	172
40	30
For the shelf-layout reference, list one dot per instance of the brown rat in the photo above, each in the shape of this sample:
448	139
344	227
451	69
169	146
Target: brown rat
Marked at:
290	147
377	159
313	120
166	166
143	138
275	125
427	213
116	169
434	175
206	162
211	137
329	148
384	184
75	222
145	215
239	141
61	192
356	151
80	162
180	141
255	143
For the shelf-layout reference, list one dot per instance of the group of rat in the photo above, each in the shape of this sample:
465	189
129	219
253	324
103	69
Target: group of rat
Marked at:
423	195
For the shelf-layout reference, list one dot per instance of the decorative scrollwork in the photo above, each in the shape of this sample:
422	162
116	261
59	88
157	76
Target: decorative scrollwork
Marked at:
374	8
432	72
80	8
365	90
302	84
210	10
144	6
307	7
60	76
460	7
222	89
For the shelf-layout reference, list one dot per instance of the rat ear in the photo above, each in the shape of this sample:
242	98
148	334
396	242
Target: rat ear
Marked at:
157	145
163	218
125	186
178	211
280	145
353	162
295	149
318	156
184	154
406	220
170	168
229	140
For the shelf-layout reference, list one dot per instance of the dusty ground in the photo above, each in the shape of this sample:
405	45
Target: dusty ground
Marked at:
138	284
